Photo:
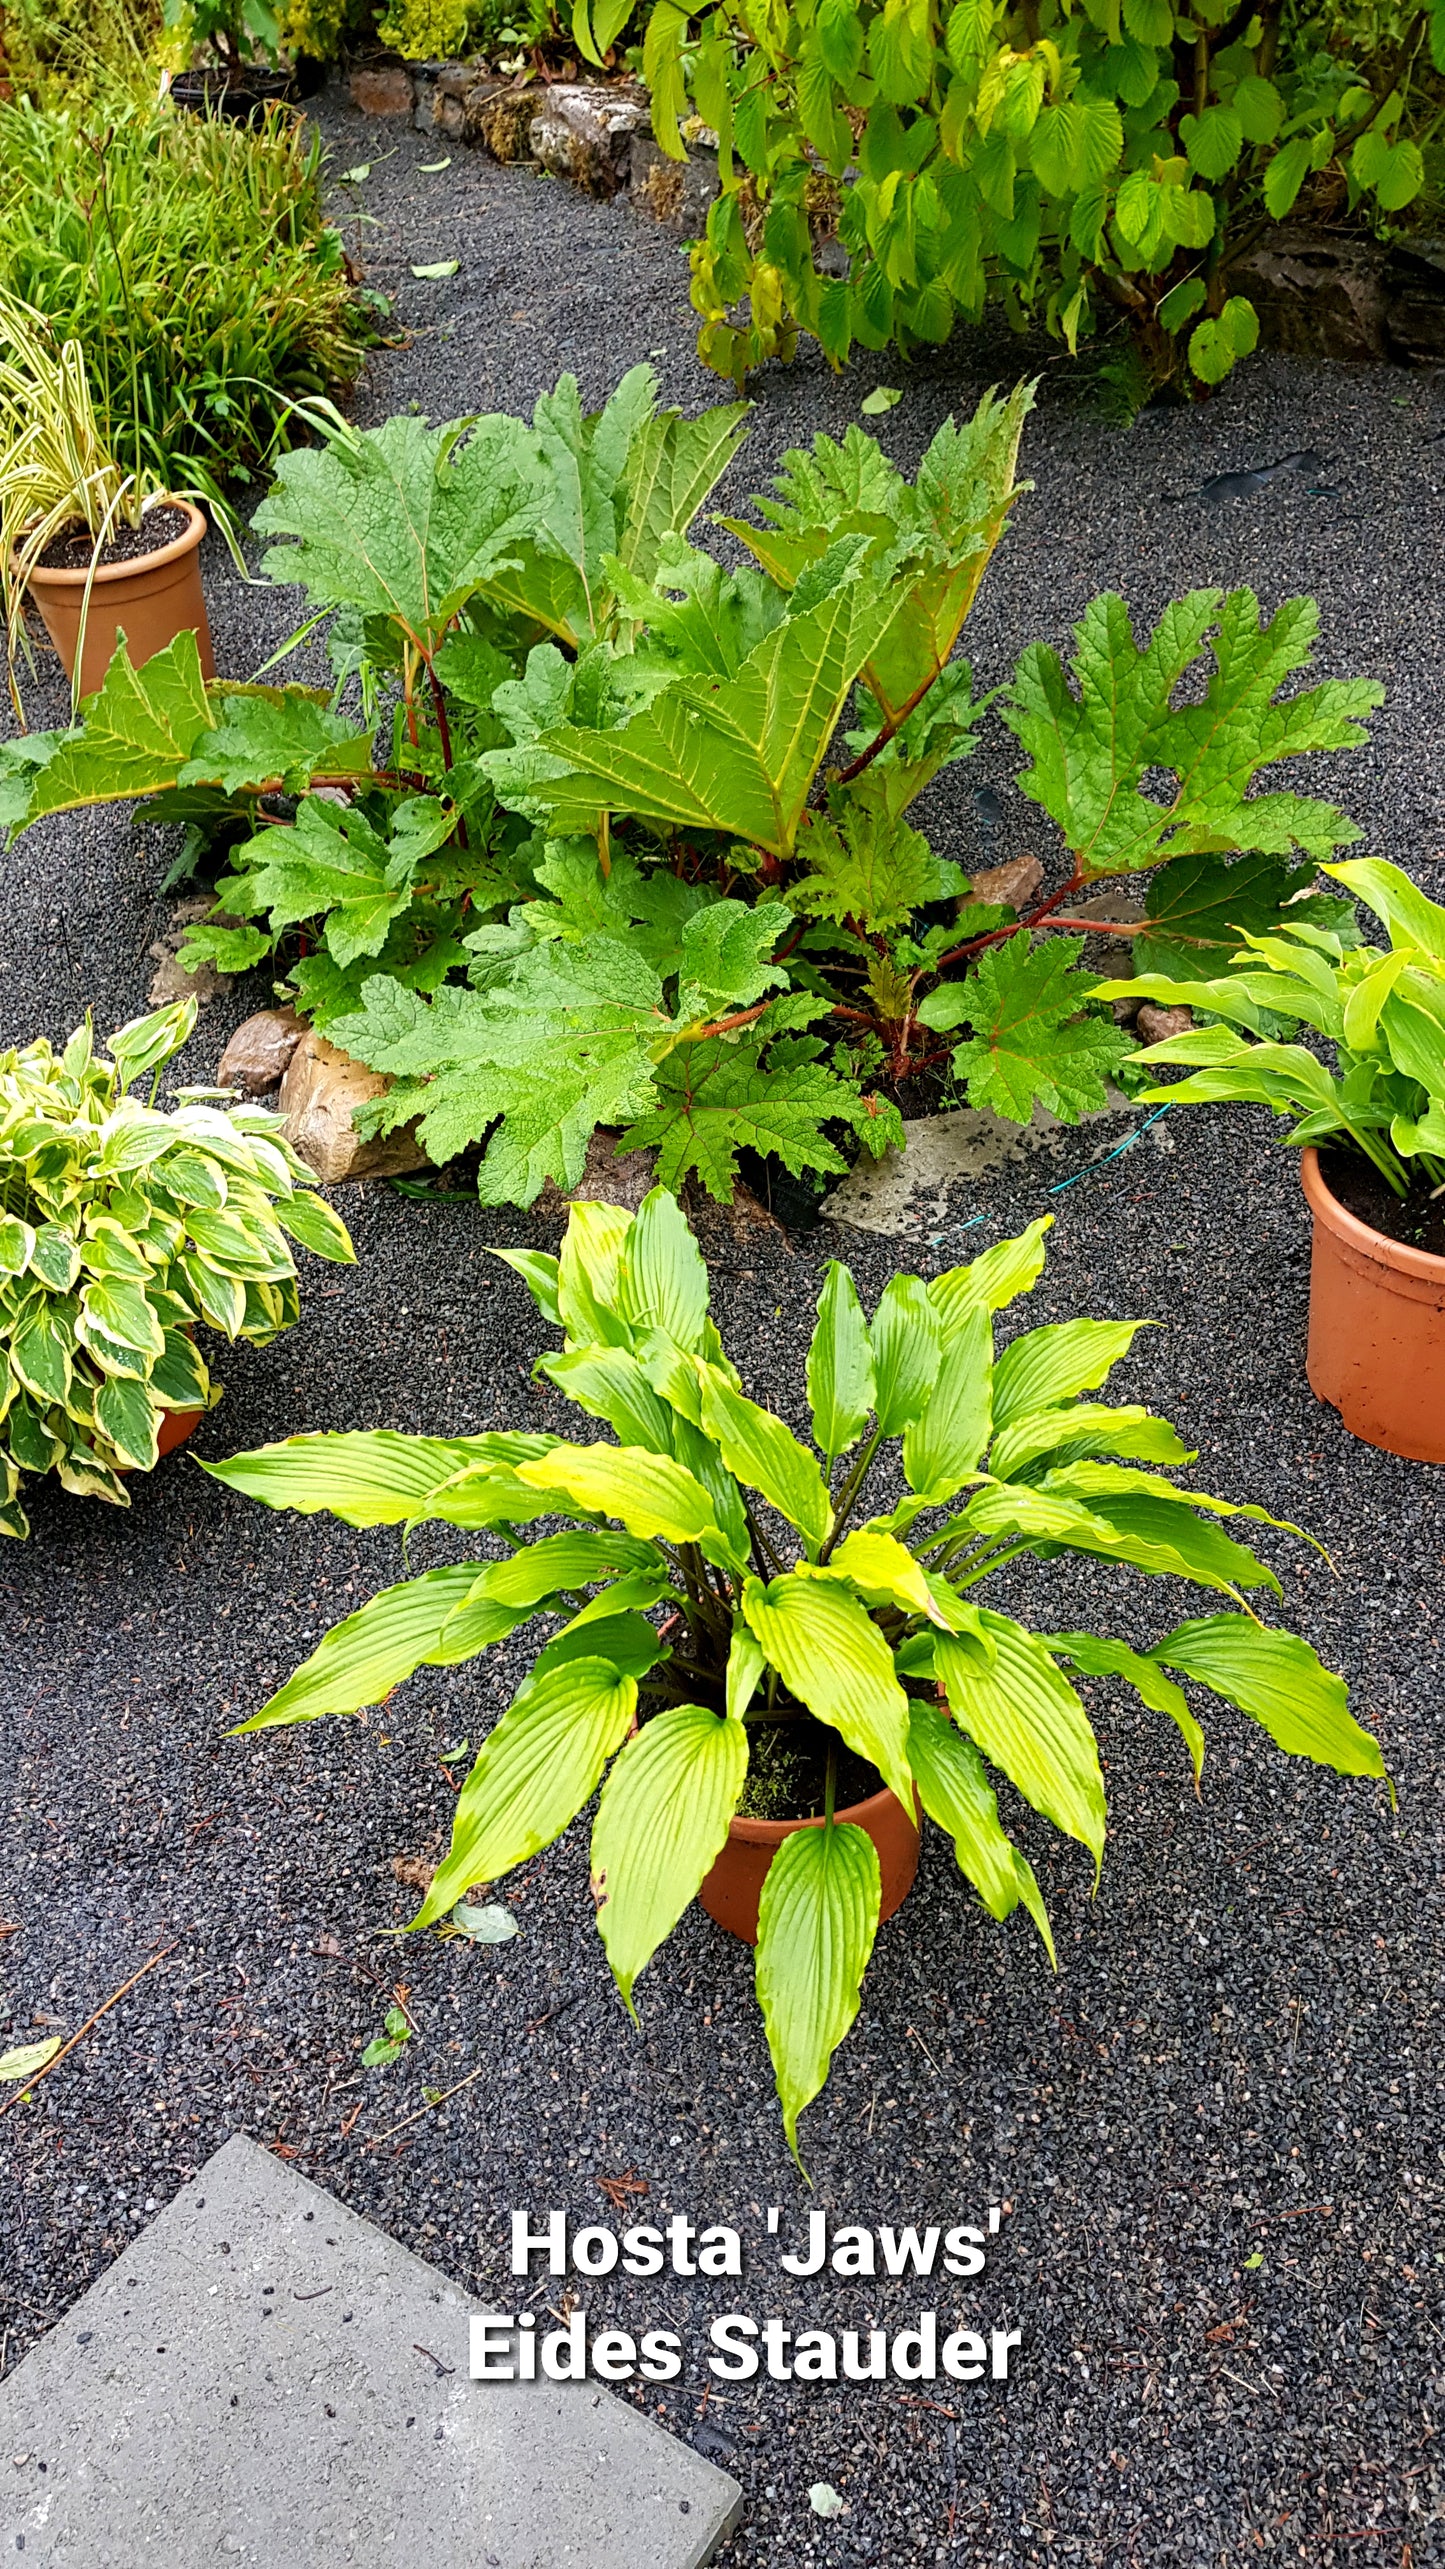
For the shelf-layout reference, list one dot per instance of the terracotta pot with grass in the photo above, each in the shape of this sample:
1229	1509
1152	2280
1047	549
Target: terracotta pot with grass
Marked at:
145	585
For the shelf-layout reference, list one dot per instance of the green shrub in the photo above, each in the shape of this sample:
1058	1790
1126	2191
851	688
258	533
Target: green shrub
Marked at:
1066	158
655	813
190	259
783	1610
122	1231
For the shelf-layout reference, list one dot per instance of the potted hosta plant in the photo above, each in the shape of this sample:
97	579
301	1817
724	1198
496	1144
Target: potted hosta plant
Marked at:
1373	1133
103	553
823	1622
122	1230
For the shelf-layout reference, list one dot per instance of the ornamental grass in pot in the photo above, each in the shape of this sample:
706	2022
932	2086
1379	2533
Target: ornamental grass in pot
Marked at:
722	1584
123	1230
1372	1132
104	554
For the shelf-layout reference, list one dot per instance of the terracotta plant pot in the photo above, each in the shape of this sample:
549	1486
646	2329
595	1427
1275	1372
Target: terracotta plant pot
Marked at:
150	600
731	1892
1377	1329
175	1427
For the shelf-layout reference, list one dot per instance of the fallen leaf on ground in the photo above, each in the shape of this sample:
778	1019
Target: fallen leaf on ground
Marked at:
489	1926
354	177
27	2058
438	268
429	166
876	402
823	2500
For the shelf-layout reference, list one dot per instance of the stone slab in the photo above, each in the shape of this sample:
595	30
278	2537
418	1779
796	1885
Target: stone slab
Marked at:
266	2379
901	1193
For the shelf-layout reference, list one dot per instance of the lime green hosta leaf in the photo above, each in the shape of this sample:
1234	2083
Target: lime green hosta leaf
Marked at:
1093	742
885	1573
764	1454
362	1659
627	1641
1032	1042
994	1280
558	1561
737	755
840	1365
907	1337
662	1819
1277	1679
1046	1367
1099	1483
649	1493
837	1662
661	1278
942	1445
610	1384
135	734
1102	1658
955	1791
816	1923
402	521
539	1273
367	1477
1411	917
1081	1429
589	1276
745	1667
535	1771
1028	1721
1148	1532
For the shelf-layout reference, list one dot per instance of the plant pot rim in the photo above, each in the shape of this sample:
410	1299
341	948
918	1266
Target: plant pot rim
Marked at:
772	1832
141	564
1360	1236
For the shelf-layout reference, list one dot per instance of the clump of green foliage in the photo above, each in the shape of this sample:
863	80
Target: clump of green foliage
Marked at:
123	1229
1070	159
622	837
191	260
786	1605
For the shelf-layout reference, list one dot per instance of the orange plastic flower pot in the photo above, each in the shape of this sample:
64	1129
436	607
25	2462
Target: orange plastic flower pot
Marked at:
149	600
1377	1329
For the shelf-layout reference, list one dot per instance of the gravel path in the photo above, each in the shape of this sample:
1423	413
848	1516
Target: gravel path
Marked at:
1217	2132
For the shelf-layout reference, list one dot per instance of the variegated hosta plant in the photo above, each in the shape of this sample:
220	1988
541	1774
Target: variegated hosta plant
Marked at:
122	1229
781	1599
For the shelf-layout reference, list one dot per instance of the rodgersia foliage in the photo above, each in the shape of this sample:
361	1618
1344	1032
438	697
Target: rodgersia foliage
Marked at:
621	836
785	1602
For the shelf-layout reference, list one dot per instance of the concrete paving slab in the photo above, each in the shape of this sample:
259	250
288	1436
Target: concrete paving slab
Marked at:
901	1193
263	2378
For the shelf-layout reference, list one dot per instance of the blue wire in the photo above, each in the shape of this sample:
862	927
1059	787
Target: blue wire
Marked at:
1117	1153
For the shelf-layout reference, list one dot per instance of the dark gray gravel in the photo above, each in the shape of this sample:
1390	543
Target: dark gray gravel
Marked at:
1218	2130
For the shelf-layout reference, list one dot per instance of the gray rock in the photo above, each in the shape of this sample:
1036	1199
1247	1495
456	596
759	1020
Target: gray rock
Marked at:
585	134
172	980
256	1058
320	1093
265	2376
906	1189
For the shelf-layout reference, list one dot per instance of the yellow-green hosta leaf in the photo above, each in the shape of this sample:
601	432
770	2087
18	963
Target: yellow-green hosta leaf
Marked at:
1028	1721
840	1365
832	1656
648	1493
371	1476
816	1923
1153	1534
907	1337
178	1379
943	1444
361	1659
995	1279
662	1819
1276	1678
661	1278
1086	1428
535	1771
539	1273
609	1383
765	1455
745	1666
955	1791
1103	1658
588	1276
561	1561
885	1573
1046	1367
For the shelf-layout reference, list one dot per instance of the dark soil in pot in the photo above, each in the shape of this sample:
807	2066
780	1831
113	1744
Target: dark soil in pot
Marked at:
788	1772
72	548
1416	1219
